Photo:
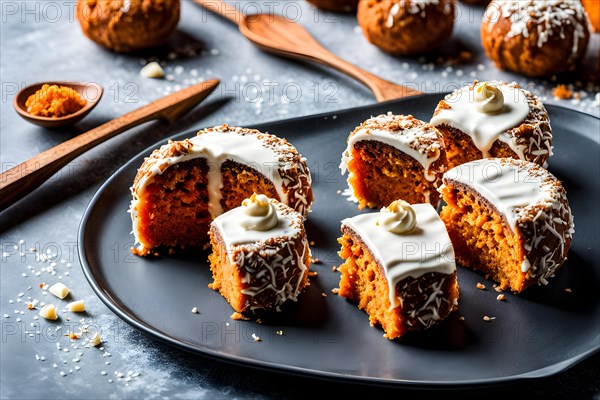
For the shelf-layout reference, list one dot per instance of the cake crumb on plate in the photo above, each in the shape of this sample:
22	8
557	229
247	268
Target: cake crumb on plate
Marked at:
238	316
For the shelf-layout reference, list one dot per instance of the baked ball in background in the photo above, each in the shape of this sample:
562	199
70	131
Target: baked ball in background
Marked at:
406	27
128	25
336	5
535	38
593	10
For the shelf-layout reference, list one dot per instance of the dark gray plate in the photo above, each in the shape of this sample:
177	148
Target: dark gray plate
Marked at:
536	334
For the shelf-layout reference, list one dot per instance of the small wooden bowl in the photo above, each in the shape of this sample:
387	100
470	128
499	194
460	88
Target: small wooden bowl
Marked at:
90	91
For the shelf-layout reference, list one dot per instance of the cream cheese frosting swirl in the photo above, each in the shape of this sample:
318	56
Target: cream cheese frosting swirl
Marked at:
488	98
399	217
259	214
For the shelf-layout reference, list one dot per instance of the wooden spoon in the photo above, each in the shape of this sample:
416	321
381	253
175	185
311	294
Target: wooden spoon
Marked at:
27	176
281	36
90	91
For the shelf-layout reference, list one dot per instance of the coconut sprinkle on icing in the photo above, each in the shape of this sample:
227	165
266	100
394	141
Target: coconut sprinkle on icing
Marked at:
428	314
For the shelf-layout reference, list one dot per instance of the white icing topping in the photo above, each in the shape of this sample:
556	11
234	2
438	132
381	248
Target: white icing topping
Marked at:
484	128
488	98
259	214
408	139
427	248
233	233
504	186
548	17
217	147
399	217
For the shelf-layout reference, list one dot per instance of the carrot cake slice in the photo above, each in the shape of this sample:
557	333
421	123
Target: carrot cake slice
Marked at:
509	219
399	267
186	184
493	119
261	256
392	157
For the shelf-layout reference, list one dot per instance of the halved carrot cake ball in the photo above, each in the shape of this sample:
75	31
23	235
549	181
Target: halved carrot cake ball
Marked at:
493	119
392	157
508	218
184	185
399	267
260	255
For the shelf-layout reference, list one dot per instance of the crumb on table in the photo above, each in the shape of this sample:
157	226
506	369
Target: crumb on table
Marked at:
562	92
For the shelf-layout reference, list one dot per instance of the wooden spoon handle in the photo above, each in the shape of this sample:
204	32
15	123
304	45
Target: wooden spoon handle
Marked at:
283	37
382	89
223	9
27	176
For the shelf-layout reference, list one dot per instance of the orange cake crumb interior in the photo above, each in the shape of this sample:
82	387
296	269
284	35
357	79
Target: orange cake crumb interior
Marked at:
173	210
481	239
226	276
460	148
240	182
362	282
381	174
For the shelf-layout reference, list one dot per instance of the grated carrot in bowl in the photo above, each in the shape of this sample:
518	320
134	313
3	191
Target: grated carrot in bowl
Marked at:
54	101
